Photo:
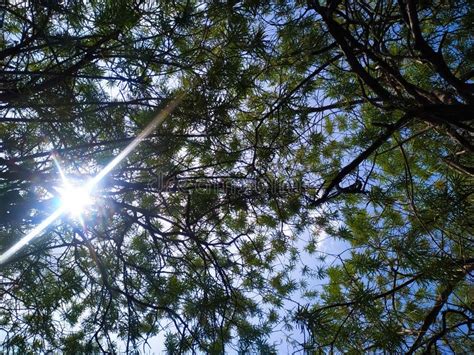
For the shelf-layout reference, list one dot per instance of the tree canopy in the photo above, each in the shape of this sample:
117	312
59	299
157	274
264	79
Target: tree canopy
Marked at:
313	174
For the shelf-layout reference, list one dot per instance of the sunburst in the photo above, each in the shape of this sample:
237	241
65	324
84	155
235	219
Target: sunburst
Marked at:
75	199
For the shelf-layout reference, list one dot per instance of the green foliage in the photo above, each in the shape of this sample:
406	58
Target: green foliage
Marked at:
319	155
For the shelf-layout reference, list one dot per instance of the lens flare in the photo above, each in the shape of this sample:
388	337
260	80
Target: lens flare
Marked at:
75	199
32	234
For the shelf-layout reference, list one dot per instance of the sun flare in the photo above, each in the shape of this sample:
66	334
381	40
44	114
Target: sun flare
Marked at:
75	199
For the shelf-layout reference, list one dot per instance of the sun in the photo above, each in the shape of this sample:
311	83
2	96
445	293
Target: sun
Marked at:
75	199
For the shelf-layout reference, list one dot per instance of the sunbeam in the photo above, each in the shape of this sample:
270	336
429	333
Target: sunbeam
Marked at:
73	200
32	234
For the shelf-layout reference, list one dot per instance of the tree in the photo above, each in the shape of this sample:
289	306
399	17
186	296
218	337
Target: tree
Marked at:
350	119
